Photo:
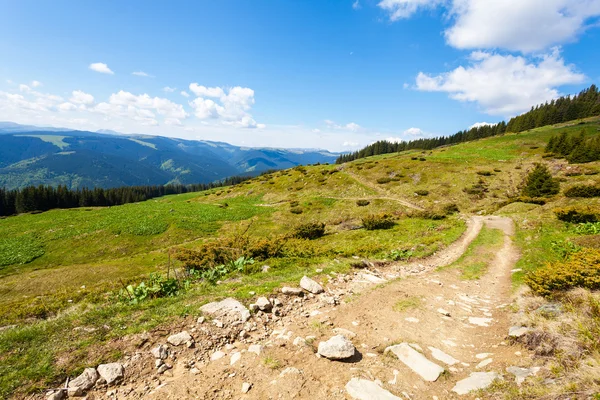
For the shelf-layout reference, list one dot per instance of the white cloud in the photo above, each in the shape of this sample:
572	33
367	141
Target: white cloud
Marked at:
480	124
394	139
316	130
80	97
518	25
67	107
24	88
414	132
101	67
350	144
503	84
169	89
400	9
173	121
10	82
356	5
185	94
142	74
231	107
351	126
144	103
36	84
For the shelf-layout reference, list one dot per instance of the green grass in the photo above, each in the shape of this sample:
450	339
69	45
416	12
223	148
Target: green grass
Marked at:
56	140
408	303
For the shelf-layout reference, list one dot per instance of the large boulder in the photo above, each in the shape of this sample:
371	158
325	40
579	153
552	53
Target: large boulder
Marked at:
228	310
311	286
337	348
111	373
86	380
179	338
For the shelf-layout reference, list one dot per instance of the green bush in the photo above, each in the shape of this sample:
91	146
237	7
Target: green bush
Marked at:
296	210
450	209
539	183
362	203
19	250
294	203
383	180
582	269
311	230
377	221
485	173
576	215
422	192
588	228
422	159
583	191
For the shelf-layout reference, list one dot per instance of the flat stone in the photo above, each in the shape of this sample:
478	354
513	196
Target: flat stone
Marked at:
372	278
291	291
74	391
475	381
522	373
299	341
484	363
86	380
229	310
264	304
311	286
344	332
480	321
160	352
482	356
255	348
443	312
411	319
60	394
217	355
416	361
337	348
290	371
246	387
363	389
517	331
443	357
235	357
180	338
111	372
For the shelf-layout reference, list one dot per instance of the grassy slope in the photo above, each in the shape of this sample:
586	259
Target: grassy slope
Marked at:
97	248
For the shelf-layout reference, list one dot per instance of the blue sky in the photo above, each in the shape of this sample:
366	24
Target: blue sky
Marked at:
328	74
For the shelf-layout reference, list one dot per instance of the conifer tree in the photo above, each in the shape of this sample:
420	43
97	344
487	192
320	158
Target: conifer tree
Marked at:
539	183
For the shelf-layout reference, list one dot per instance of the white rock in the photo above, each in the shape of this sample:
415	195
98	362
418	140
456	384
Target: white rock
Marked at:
337	348
443	357
229	310
299	341
344	332
443	312
160	352
475	381
416	361
290	371
363	389
217	355
291	291
255	348
522	373
86	380
479	321
180	338
372	278
484	363
246	387
411	319
310	286
111	372
517	331
264	304
235	357
482	356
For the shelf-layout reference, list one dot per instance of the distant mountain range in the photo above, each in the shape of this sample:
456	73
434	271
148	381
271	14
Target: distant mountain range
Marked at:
32	155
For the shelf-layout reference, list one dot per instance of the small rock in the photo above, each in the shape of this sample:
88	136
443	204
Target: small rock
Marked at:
411	319
311	286
290	370
291	291
522	373
264	304
416	361
194	371
265	268
550	310
235	357
74	391
517	331
246	387
58	395
180	338
475	381
86	380
163	368
443	357
344	332
218	323
482	356
217	355
484	363
158	363
362	389
111	372
299	341
255	348
480	321
229	310
201	320
443	312
160	352
337	348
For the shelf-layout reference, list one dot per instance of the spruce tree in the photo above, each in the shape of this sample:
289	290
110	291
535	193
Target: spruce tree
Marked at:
539	183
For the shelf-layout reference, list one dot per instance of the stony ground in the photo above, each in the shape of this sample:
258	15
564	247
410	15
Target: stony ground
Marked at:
451	340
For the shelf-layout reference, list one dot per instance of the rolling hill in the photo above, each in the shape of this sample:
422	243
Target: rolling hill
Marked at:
48	156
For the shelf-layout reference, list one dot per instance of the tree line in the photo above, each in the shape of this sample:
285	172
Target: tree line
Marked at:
566	108
44	198
575	148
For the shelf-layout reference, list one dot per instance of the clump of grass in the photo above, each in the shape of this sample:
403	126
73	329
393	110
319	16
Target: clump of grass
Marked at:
272	363
296	210
407	304
379	221
384	180
362	203
422	192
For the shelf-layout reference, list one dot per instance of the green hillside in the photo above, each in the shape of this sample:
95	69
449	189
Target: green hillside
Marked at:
63	269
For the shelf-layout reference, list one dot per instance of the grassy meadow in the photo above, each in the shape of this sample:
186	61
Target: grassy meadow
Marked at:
63	269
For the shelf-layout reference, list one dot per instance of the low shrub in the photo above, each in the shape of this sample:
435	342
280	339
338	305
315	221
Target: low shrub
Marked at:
294	203
296	210
485	173
583	191
576	215
581	269
311	230
422	159
450	209
401	254
414	158
377	221
362	203
384	180
588	228
422	192
427	214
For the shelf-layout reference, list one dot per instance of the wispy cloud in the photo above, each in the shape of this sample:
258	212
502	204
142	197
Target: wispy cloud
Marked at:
101	67
142	74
